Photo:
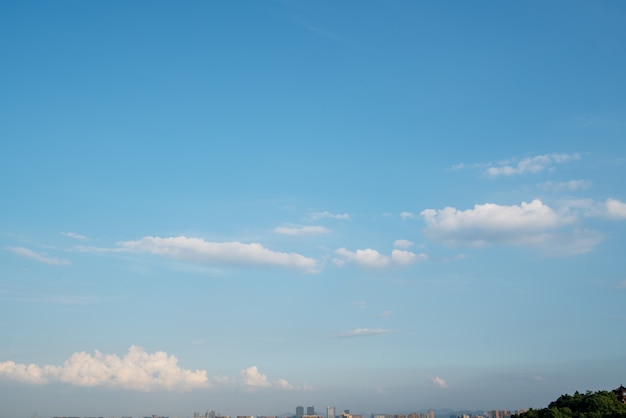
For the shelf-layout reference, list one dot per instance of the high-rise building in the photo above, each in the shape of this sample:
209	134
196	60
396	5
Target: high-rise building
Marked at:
299	411
310	410
330	412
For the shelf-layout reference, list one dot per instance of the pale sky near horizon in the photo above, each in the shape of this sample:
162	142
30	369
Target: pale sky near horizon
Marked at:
247	206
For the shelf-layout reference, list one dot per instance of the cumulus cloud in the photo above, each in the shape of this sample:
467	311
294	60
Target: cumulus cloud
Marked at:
321	215
370	258
403	243
407	215
253	379
41	258
137	370
301	230
233	253
528	224
365	332
438	382
615	209
531	165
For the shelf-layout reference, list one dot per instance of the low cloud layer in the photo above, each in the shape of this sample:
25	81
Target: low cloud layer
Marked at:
369	258
230	253
137	370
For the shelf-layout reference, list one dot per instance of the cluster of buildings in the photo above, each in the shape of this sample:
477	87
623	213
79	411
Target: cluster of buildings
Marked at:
309	412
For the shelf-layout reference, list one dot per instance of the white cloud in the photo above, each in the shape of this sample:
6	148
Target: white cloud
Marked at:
137	370
534	164
438	382
233	253
365	332
75	236
615	209
529	224
301	230
566	185
321	215
407	215
403	243
253	379
386	314
373	259
41	258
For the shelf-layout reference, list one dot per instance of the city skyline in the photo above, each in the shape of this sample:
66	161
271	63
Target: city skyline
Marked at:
242	205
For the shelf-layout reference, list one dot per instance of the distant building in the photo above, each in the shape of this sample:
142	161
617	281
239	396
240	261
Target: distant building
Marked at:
310	410
330	412
299	411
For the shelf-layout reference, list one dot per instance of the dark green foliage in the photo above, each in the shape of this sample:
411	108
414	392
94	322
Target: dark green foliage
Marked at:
601	404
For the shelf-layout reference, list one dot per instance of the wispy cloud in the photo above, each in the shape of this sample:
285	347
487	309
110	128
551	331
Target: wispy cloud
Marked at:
438	382
370	258
566	185
407	215
51	299
321	215
231	253
75	236
531	165
41	258
365	332
302	230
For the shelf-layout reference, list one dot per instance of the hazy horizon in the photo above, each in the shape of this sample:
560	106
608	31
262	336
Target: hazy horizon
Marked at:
252	205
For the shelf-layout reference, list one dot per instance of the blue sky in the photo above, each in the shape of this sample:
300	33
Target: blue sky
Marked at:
248	206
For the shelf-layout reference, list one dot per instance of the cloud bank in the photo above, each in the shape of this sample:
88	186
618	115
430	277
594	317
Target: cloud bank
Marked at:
231	253
137	370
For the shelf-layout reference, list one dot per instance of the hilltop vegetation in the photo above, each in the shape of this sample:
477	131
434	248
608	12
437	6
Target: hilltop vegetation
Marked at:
601	404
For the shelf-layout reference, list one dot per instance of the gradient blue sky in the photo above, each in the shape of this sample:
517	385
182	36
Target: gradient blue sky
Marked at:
252	205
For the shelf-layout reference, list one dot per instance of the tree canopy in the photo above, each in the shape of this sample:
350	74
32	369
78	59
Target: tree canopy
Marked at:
601	404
